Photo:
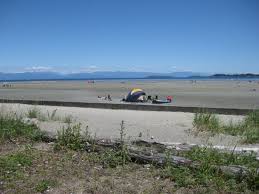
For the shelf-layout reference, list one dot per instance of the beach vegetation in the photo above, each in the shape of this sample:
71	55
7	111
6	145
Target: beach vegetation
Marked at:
31	169
52	115
208	175
12	165
36	113
12	126
119	155
204	121
68	119
44	185
248	128
70	137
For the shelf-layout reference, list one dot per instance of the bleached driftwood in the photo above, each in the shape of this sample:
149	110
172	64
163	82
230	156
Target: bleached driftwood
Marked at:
146	152
149	152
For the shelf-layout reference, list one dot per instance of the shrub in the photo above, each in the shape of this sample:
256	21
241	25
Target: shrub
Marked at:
12	126
206	121
248	128
35	112
252	119
207	174
118	156
71	137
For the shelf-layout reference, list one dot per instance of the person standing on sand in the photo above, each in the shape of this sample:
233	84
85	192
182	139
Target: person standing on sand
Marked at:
109	97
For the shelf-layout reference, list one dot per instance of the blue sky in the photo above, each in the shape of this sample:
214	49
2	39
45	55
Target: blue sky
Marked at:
129	35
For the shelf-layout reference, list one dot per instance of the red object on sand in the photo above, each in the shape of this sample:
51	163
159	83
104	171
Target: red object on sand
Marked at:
169	98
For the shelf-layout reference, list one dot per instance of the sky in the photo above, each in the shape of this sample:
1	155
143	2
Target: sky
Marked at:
212	36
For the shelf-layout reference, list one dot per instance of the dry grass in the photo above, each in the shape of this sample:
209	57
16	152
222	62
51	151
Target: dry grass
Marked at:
69	171
27	168
31	170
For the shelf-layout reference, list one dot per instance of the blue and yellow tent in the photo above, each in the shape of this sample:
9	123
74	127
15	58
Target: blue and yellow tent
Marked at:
134	95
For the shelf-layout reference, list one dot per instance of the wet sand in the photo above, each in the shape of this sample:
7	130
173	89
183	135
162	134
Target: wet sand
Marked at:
203	93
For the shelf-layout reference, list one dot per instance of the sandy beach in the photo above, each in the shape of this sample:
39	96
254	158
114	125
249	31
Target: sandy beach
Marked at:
153	126
162	126
203	93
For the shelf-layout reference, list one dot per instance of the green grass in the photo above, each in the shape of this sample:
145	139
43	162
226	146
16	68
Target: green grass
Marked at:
113	158
204	121
207	174
11	166
118	156
12	126
68	119
15	167
248	128
71	137
33	113
44	185
252	119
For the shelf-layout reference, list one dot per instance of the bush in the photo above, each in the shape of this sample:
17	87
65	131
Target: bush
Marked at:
36	113
248	128
118	156
12	126
33	113
206	121
252	119
114	158
207	174
71	137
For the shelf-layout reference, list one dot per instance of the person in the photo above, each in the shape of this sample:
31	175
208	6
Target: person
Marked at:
169	98
141	98
109	97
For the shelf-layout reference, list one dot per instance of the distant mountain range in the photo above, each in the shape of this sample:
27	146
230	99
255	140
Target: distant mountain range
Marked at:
117	75
94	75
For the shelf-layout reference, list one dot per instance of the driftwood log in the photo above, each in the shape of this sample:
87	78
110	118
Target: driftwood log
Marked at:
154	153
148	153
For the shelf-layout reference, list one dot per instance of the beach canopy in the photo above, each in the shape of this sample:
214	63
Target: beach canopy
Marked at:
135	95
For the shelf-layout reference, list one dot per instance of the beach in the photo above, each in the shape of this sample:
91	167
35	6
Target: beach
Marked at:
152	125
167	127
201	93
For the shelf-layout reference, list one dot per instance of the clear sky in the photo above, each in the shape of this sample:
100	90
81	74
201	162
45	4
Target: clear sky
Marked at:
129	35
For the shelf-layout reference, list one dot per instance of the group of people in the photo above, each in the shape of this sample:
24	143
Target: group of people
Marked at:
5	85
144	98
108	97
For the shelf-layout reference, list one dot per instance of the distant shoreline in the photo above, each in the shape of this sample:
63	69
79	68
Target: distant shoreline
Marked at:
55	76
145	78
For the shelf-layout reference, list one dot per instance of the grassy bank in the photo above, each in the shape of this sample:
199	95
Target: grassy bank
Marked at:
75	163
13	126
248	128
